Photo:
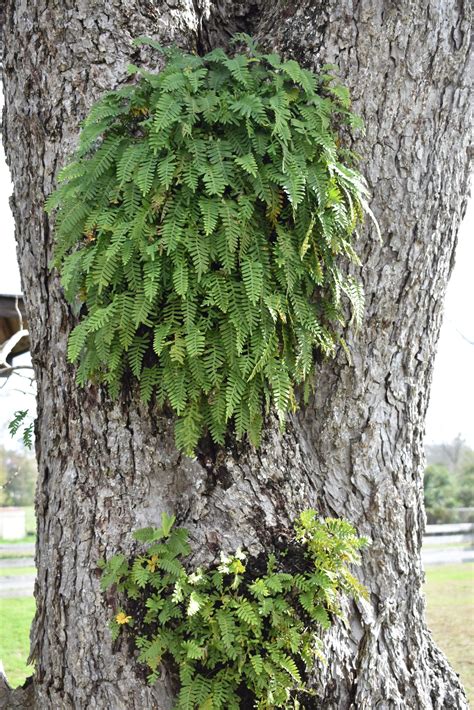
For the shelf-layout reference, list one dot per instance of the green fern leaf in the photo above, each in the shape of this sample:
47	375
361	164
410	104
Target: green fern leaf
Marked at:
257	663
161	333
129	161
238	66
77	340
208	211
250	106
200	253
252	274
195	342
180	276
227	629
150	376
248	163
247	613
210	214
167	111
214	180
146	173
136	352
234	392
188	429
166	169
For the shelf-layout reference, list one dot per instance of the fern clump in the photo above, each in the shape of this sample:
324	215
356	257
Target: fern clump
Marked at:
200	228
241	634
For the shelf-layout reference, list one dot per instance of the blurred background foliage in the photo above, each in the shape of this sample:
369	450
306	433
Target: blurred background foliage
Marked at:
449	483
17	477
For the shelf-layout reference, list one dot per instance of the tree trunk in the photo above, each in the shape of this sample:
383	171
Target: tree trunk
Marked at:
356	451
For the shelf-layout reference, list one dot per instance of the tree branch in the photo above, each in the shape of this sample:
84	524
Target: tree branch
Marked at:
21	698
13	370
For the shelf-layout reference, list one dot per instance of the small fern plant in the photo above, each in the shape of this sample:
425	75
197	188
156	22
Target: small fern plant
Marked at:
20	421
242	634
199	233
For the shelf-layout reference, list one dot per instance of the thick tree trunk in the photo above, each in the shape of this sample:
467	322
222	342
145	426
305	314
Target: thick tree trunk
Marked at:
356	451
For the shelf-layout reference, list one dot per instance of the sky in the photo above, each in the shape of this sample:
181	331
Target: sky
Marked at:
451	409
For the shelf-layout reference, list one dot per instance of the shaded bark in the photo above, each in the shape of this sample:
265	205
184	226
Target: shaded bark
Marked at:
356	451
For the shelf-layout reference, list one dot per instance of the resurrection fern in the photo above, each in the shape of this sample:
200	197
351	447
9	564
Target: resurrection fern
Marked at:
241	634
18	421
200	229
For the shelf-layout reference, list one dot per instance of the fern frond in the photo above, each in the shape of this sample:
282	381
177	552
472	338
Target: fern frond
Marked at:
202	225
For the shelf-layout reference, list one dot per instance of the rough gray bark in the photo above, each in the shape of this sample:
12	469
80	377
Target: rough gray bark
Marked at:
356	451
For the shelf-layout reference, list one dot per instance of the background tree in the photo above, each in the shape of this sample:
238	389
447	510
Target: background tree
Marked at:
106	468
449	482
17	477
465	492
439	488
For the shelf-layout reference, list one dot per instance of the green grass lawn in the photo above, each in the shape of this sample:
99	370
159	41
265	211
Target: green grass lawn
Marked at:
450	612
16	571
448	545
9	555
22	541
16	617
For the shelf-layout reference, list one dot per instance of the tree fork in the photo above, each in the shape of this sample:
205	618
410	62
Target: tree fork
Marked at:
356	451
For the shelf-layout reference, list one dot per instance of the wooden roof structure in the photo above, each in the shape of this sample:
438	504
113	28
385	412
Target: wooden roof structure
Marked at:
14	337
